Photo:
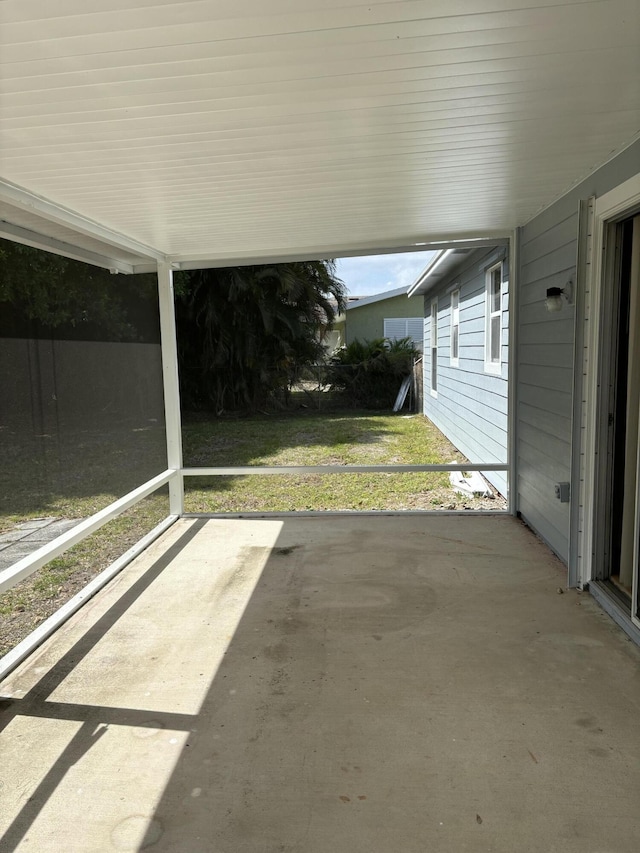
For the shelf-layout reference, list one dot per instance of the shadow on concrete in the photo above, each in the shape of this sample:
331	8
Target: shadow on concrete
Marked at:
389	684
94	719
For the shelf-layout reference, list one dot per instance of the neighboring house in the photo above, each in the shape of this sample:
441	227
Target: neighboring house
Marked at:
466	358
385	315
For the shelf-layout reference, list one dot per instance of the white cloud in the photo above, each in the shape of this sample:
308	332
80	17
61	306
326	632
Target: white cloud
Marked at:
370	274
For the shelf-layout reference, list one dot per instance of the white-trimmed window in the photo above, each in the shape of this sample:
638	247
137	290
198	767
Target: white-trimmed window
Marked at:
397	328
455	327
493	323
434	348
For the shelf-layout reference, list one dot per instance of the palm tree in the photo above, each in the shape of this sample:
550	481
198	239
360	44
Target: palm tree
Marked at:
245	332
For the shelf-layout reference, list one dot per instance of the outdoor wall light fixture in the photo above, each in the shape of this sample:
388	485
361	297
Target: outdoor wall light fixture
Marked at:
553	302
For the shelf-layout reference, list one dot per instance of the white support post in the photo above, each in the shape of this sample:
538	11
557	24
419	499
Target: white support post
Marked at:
512	386
173	424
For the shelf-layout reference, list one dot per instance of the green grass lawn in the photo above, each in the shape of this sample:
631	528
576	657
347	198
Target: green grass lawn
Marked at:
351	438
75	476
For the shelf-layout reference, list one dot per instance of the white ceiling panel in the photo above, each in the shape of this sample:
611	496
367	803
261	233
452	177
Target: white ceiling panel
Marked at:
229	130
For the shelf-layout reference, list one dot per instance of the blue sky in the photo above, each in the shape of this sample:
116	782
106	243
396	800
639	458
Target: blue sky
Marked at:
372	274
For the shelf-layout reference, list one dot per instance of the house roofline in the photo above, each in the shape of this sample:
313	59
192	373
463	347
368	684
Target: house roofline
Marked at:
445	264
421	284
378	297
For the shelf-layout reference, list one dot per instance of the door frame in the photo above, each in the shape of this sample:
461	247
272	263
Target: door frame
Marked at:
608	209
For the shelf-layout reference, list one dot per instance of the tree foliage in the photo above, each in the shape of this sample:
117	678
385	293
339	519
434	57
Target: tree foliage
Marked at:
43	294
244	333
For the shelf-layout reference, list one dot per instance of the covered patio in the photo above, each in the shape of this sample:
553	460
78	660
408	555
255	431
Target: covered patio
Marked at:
338	683
361	684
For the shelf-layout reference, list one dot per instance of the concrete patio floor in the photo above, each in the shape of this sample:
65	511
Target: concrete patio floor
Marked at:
369	684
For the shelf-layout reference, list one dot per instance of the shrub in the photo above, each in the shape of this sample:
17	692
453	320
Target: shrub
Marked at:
369	373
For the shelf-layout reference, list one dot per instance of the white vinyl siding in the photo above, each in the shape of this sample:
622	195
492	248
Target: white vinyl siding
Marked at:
397	328
455	328
493	327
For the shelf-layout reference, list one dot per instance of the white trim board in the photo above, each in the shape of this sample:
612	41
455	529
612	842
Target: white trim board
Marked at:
617	204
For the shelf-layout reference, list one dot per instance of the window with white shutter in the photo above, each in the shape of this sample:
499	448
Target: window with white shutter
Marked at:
397	328
415	331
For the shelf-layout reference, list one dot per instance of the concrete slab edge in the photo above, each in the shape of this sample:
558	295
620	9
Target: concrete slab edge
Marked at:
349	512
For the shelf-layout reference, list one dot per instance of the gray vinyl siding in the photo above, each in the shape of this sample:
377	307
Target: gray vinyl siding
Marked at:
471	404
545	354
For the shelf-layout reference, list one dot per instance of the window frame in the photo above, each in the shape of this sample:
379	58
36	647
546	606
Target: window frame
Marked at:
433	348
491	365
454	358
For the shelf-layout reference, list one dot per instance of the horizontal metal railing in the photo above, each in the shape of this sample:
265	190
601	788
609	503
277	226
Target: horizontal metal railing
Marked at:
22	651
244	470
32	562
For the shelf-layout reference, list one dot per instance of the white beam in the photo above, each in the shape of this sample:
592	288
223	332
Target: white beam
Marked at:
148	268
58	247
512	380
426	244
173	421
15	196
